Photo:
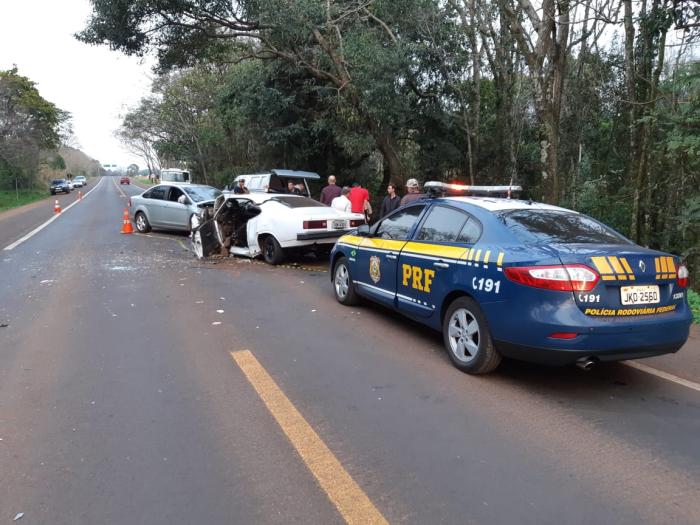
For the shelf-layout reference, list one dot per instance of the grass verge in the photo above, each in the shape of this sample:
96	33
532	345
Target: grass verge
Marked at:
694	300
10	199
143	181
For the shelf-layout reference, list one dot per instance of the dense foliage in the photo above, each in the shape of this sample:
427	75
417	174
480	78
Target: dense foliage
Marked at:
30	131
592	104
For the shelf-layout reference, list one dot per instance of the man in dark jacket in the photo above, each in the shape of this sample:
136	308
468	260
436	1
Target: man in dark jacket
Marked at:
330	192
390	202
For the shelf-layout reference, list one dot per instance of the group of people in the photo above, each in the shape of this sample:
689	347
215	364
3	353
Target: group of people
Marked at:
355	199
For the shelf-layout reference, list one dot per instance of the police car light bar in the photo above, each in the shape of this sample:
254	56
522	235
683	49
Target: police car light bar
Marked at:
438	189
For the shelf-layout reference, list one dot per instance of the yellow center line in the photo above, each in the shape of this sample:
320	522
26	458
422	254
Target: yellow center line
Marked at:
347	496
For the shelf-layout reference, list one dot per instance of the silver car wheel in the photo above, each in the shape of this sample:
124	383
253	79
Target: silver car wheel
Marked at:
464	335
342	281
141	222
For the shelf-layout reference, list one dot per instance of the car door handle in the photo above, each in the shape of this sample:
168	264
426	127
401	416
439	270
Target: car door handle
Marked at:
440	264
391	256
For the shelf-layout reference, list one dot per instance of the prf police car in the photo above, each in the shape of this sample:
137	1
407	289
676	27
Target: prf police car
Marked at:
513	278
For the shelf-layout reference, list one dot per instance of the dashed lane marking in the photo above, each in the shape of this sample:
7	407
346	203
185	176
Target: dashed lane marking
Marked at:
347	496
663	375
45	224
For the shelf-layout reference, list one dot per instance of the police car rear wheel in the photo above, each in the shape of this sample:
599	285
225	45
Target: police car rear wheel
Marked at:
467	338
342	283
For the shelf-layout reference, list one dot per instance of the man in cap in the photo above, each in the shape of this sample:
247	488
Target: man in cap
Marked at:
413	192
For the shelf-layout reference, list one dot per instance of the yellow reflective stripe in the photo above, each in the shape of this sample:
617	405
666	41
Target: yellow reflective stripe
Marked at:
486	256
616	265
664	267
478	255
608	277
470	256
627	268
383	244
671	265
351	239
657	265
437	250
499	262
602	265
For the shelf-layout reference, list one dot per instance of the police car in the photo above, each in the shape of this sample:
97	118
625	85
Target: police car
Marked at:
502	277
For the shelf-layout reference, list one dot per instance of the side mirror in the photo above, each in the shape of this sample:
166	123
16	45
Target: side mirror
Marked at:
363	230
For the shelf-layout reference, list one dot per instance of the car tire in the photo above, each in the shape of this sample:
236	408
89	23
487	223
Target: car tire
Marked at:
467	338
343	286
142	224
271	250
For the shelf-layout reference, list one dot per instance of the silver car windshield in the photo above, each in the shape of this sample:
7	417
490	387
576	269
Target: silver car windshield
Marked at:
202	193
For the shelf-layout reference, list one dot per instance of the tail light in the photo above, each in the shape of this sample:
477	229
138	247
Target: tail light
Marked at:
315	225
562	278
563	335
683	276
356	222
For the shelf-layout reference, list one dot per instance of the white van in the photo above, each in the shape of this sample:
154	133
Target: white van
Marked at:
275	181
175	176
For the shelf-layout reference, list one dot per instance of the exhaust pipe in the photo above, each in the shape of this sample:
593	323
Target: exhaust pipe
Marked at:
586	363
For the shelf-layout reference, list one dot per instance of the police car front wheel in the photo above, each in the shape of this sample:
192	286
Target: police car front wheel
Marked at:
342	283
467	338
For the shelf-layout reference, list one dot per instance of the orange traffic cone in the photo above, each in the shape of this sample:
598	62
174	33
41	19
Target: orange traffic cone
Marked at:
56	207
126	225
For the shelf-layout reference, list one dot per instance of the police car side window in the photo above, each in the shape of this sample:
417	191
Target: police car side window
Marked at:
442	225
400	224
471	232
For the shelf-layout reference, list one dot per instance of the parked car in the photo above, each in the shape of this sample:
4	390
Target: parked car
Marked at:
276	181
171	206
124	180
80	181
269	225
510	278
59	186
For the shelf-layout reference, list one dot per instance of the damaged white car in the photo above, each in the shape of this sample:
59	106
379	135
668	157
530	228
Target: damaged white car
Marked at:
269	224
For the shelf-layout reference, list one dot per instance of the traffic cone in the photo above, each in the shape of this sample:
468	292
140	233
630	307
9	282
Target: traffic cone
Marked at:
56	207
80	195
126	225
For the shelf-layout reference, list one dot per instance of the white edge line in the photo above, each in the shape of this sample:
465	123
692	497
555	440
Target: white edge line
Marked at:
44	225
663	375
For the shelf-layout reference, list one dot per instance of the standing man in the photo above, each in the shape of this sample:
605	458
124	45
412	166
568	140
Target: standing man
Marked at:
358	197
330	192
413	193
342	203
390	202
241	189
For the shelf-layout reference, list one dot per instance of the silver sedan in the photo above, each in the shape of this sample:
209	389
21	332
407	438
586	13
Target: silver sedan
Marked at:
171	206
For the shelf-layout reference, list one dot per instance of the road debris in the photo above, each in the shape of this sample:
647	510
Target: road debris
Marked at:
4	325
18	516
47	281
216	323
219	311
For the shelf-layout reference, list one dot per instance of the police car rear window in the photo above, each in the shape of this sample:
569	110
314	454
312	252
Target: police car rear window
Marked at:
552	226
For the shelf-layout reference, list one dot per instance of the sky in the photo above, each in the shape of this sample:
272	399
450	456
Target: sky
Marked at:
94	84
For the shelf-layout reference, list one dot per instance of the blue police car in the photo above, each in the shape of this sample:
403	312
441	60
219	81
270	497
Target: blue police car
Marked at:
503	277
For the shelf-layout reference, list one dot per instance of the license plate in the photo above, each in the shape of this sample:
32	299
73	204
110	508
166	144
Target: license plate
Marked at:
639	294
338	225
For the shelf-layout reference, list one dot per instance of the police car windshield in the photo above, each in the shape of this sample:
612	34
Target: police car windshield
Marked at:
200	194
298	202
551	226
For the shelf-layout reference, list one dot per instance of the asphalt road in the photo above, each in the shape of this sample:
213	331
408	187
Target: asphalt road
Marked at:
121	403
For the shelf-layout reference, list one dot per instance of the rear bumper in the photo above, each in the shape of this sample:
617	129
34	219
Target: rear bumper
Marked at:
566	356
334	234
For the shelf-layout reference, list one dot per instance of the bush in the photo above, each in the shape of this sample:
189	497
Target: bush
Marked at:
694	300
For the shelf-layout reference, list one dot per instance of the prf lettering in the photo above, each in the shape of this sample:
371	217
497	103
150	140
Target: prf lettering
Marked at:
420	278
